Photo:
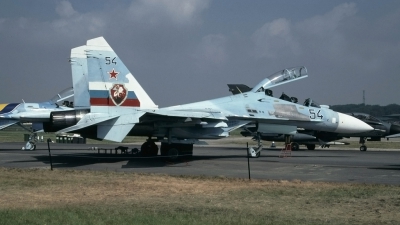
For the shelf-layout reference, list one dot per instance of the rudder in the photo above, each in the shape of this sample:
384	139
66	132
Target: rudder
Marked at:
80	80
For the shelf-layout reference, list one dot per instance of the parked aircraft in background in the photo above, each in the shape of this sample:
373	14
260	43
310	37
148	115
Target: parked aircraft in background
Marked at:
35	113
311	138
381	129
119	106
392	118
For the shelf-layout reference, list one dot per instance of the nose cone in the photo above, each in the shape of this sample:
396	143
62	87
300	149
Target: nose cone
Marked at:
348	124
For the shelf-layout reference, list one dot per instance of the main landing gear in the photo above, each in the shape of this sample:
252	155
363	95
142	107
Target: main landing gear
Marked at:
171	150
363	147
149	148
295	146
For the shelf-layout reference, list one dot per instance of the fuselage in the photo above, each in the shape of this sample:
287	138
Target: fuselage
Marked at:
29	112
266	109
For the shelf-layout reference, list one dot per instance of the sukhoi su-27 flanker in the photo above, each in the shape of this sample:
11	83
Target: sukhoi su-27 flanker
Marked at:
35	113
119	106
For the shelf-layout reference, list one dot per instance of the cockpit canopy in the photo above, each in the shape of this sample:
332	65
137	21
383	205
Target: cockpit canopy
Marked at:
281	77
309	102
63	95
287	98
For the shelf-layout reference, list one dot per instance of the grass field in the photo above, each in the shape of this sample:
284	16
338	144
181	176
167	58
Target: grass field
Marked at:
38	196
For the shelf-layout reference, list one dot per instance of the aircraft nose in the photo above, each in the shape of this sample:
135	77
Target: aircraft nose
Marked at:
394	129
349	124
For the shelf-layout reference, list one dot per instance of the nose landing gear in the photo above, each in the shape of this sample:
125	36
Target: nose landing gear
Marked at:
363	147
255	153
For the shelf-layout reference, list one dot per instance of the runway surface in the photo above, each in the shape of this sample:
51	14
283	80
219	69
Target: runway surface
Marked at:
380	167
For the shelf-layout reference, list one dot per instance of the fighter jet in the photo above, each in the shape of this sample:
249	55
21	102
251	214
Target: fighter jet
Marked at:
119	106
35	113
310	138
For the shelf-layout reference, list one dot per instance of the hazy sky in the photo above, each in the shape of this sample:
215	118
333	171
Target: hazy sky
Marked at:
183	51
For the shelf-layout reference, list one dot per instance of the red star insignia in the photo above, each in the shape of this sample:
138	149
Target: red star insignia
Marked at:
113	74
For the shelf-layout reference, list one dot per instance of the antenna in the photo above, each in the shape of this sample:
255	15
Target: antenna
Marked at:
363	97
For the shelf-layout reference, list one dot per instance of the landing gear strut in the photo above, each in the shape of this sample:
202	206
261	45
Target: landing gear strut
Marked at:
31	144
363	147
255	153
33	138
171	148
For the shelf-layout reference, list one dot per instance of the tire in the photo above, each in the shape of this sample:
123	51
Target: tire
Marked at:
295	146
149	148
30	146
363	148
258	154
311	147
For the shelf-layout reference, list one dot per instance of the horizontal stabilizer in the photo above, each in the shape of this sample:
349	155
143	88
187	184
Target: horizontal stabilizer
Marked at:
117	128
7	123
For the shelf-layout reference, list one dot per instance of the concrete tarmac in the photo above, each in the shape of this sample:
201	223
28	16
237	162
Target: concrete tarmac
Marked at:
328	165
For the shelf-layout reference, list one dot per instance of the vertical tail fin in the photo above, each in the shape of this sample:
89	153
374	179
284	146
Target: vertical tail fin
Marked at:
110	82
80	80
102	82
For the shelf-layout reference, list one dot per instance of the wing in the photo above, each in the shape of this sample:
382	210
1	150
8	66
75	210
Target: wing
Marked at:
393	136
7	123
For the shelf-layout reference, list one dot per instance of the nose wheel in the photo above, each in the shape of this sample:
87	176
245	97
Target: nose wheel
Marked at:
31	144
363	147
256	152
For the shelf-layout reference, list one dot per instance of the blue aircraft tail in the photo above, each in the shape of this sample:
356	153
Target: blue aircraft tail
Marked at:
102	82
111	84
80	80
